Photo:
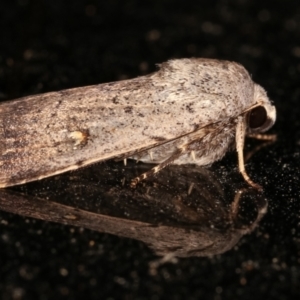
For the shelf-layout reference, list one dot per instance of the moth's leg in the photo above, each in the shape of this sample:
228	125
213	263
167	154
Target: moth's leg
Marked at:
151	155
240	139
267	138
263	137
159	167
191	188
257	148
193	155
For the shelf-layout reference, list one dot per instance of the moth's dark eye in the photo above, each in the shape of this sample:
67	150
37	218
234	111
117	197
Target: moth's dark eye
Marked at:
257	117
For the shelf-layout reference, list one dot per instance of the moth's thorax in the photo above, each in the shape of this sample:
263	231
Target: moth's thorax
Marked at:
216	89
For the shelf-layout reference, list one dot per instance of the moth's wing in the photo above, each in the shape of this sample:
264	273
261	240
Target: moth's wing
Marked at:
202	147
48	134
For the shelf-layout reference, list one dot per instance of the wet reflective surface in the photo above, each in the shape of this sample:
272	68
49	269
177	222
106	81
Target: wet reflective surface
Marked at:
184	210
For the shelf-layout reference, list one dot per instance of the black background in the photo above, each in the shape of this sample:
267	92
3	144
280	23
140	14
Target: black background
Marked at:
52	45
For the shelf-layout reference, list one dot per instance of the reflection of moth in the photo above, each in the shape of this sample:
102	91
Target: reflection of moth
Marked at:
210	220
187	112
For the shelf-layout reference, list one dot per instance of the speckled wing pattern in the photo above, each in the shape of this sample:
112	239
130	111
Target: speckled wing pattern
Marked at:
188	101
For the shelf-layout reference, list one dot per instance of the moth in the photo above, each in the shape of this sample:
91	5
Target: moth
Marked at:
191	111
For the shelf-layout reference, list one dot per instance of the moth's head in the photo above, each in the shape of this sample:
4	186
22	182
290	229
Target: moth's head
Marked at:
263	115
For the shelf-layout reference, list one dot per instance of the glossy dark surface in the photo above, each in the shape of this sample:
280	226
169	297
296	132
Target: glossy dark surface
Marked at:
47	46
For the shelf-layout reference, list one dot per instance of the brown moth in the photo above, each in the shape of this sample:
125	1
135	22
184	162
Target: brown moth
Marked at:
191	111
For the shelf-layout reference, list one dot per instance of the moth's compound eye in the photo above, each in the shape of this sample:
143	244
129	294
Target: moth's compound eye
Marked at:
257	117
261	118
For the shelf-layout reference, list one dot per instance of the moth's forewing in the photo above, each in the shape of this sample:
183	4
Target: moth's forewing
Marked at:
51	133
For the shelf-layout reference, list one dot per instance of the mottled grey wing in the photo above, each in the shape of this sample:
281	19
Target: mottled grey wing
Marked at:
51	133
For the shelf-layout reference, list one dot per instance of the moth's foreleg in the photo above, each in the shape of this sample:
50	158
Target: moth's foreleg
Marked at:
159	167
267	138
240	139
263	137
